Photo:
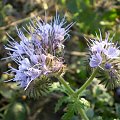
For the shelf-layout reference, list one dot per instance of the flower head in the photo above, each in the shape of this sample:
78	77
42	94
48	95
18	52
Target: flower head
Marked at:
106	54
40	54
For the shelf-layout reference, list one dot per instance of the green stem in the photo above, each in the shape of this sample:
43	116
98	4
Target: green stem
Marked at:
83	114
87	83
61	79
84	86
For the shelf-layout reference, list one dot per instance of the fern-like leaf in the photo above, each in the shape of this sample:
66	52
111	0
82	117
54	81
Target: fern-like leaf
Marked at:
70	112
73	108
62	100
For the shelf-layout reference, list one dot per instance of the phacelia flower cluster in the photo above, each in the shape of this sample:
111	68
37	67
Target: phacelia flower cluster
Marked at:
106	55
40	54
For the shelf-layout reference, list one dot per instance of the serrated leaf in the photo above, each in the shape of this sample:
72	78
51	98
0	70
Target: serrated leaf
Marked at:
72	108
70	112
61	88
60	102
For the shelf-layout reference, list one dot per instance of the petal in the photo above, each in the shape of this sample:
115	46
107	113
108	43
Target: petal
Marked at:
96	60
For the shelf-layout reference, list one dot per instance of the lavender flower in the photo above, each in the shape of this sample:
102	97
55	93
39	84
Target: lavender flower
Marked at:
40	54
102	50
95	60
106	55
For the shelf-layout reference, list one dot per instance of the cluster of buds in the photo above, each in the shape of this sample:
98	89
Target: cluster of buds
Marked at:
41	54
106	55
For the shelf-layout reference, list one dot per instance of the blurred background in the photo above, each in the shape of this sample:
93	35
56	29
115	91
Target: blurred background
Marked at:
89	16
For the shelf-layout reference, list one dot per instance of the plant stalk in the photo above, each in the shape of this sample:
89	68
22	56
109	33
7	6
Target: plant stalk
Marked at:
84	86
69	89
83	114
87	83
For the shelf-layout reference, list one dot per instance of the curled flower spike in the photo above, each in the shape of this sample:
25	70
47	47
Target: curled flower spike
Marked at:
106	55
39	56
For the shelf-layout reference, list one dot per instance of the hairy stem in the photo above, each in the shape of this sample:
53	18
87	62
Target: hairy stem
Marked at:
87	83
83	114
84	86
79	91
69	89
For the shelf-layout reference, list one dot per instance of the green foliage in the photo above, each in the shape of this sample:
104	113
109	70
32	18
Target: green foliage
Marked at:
60	102
90	113
117	107
15	111
73	108
70	112
102	102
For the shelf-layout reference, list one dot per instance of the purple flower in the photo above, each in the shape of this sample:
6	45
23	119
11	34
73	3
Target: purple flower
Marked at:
106	55
102	50
95	60
40	54
112	52
53	34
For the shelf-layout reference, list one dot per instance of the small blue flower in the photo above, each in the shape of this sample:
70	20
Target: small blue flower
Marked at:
112	52
102	49
95	60
106	55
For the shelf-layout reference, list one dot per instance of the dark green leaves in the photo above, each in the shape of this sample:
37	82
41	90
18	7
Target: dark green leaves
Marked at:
16	111
73	108
60	102
70	112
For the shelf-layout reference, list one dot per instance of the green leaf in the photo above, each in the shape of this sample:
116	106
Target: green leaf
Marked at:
97	118
62	88
60	102
16	111
70	112
72	108
90	112
6	91
117	107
